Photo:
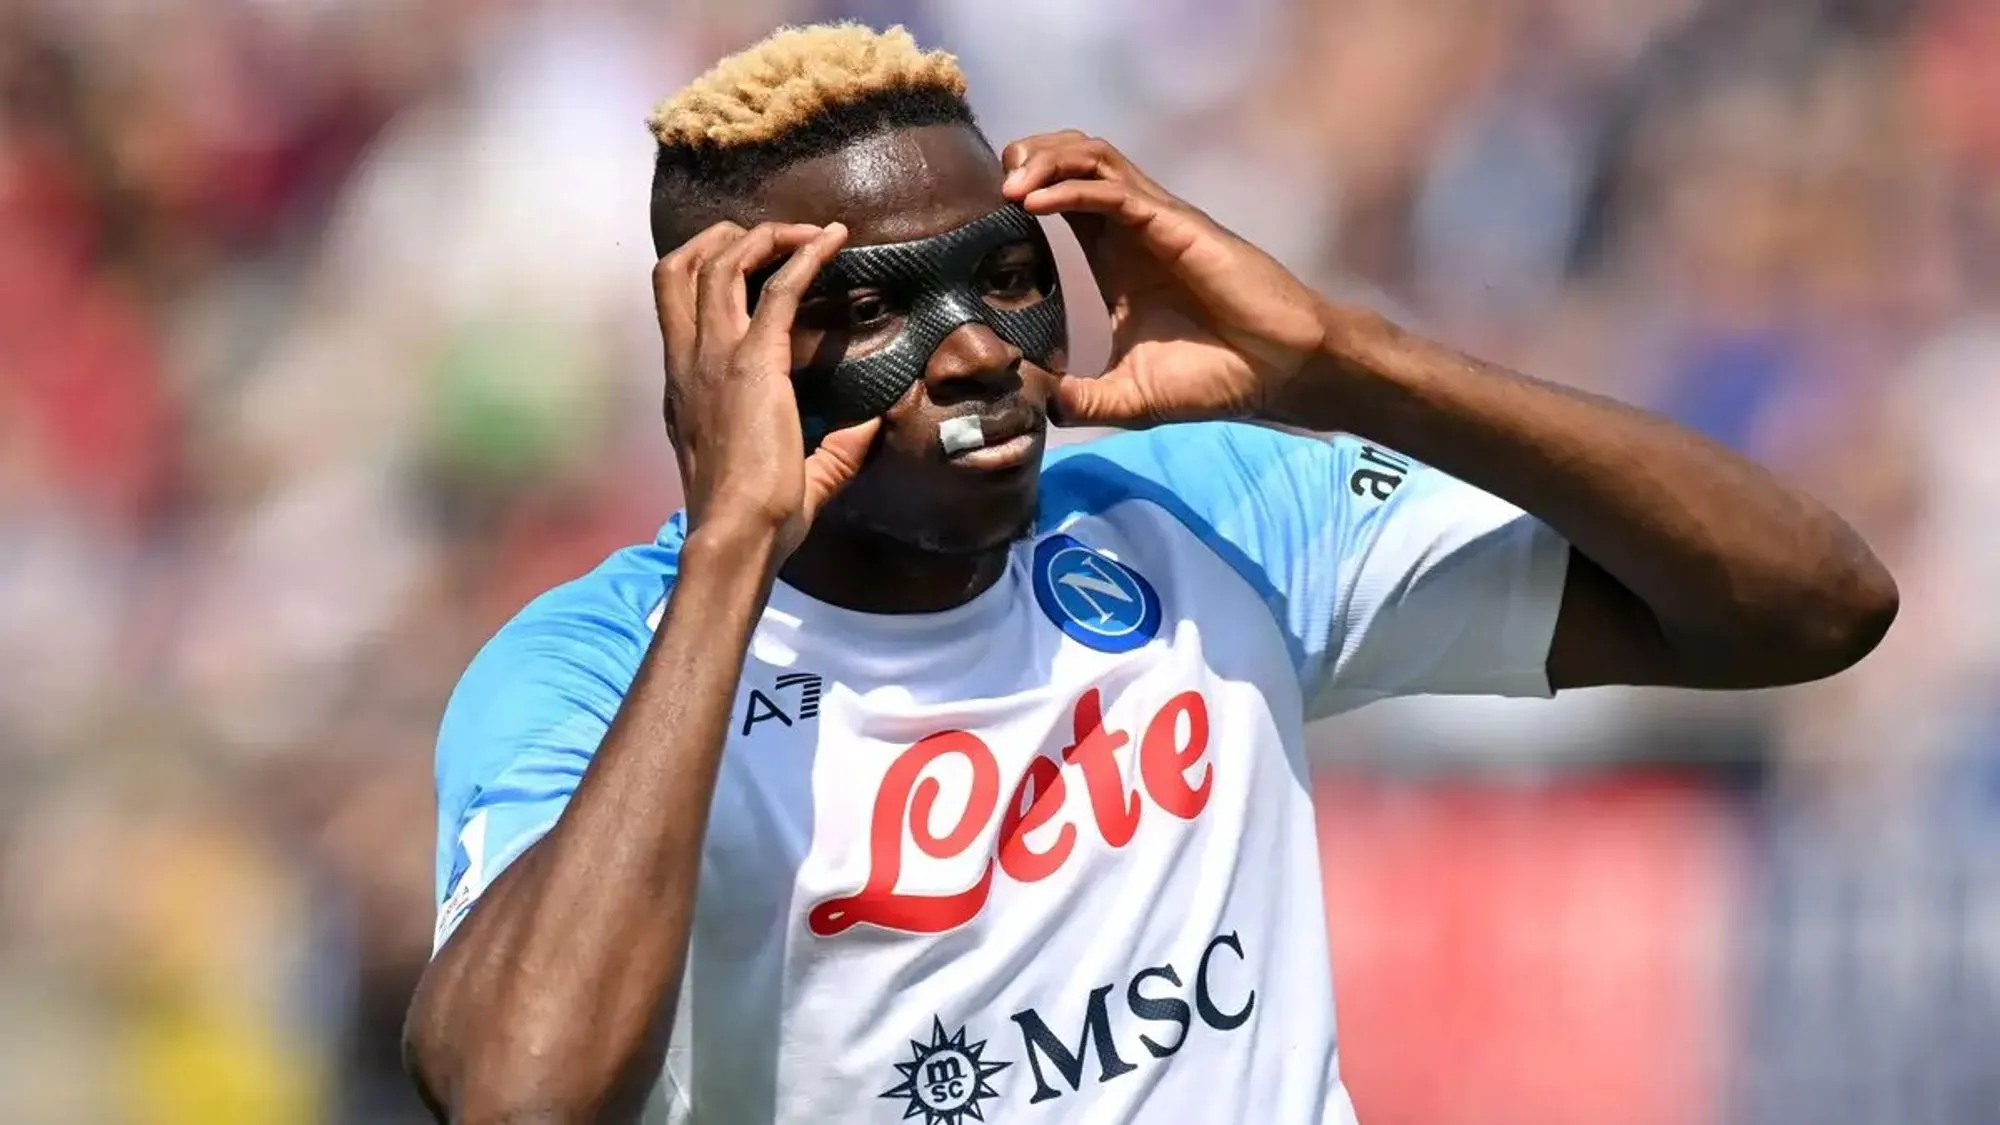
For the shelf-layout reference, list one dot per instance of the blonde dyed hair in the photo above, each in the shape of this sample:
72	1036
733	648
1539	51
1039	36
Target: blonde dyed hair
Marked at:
796	75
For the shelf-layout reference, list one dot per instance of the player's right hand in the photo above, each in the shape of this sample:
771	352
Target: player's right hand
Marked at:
730	408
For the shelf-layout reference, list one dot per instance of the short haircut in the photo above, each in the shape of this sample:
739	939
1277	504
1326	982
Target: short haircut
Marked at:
801	93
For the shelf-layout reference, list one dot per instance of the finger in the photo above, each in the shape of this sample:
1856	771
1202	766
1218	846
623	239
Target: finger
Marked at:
1088	205
722	294
722	302
1168	232
674	289
1043	166
674	275
1109	198
1065	156
689	255
836	461
1107	400
778	304
1017	153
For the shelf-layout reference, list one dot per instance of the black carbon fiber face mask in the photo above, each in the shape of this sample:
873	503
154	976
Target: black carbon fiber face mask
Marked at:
935	284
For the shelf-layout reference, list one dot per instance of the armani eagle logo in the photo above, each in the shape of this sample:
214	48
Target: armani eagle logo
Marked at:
945	1080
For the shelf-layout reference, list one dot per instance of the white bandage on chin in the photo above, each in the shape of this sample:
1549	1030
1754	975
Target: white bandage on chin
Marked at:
960	434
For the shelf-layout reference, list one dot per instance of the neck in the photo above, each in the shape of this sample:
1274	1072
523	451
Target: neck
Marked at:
869	573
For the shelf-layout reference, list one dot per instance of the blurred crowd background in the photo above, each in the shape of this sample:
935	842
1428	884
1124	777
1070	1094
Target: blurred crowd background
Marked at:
325	342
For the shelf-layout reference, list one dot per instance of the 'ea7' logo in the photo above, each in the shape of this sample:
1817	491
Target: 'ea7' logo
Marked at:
762	708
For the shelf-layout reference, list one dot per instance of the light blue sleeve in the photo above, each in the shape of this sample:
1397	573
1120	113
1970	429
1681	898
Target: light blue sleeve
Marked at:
529	713
1386	577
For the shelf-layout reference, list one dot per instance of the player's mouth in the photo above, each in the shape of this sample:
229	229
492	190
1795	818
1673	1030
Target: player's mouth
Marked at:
1011	439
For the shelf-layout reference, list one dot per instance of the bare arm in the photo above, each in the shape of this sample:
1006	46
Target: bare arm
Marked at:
1691	566
552	1003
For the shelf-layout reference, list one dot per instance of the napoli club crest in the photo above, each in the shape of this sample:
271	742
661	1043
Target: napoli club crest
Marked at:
945	1080
1093	598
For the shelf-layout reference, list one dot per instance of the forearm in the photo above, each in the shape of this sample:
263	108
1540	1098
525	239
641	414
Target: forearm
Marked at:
555	997
1733	565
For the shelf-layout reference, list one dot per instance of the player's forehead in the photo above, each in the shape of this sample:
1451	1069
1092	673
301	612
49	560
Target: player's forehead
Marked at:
891	187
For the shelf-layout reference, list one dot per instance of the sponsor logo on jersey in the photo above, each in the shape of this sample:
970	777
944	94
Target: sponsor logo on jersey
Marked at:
1093	598
945	1080
1167	1009
799	690
1174	777
1379	474
1145	1019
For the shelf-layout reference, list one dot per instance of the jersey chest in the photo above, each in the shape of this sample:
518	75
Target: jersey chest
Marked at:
996	817
855	803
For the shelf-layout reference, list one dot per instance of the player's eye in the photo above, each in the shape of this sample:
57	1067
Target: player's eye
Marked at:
868	312
850	324
1011	281
1013	275
857	313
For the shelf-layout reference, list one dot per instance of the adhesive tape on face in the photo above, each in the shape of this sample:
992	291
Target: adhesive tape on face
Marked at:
960	434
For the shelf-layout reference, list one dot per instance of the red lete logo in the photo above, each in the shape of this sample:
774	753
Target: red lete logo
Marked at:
1173	745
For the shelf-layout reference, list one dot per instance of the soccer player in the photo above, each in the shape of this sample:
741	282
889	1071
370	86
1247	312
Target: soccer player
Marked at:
925	775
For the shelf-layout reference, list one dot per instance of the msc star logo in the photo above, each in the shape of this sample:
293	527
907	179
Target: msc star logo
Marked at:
945	1079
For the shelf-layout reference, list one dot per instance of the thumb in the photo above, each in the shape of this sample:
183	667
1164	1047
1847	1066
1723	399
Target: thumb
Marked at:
1110	399
834	463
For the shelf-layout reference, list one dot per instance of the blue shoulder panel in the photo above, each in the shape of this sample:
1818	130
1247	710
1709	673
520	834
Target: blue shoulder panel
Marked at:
1268	503
534	704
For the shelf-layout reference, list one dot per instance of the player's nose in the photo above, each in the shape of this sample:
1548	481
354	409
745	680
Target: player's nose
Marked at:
972	362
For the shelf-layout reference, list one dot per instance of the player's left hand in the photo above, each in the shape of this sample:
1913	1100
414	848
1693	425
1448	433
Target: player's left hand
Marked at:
1203	324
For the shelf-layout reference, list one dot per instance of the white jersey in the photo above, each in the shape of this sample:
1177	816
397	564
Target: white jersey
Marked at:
1048	856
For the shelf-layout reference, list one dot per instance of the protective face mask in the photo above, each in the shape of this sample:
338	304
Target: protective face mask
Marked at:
936	285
